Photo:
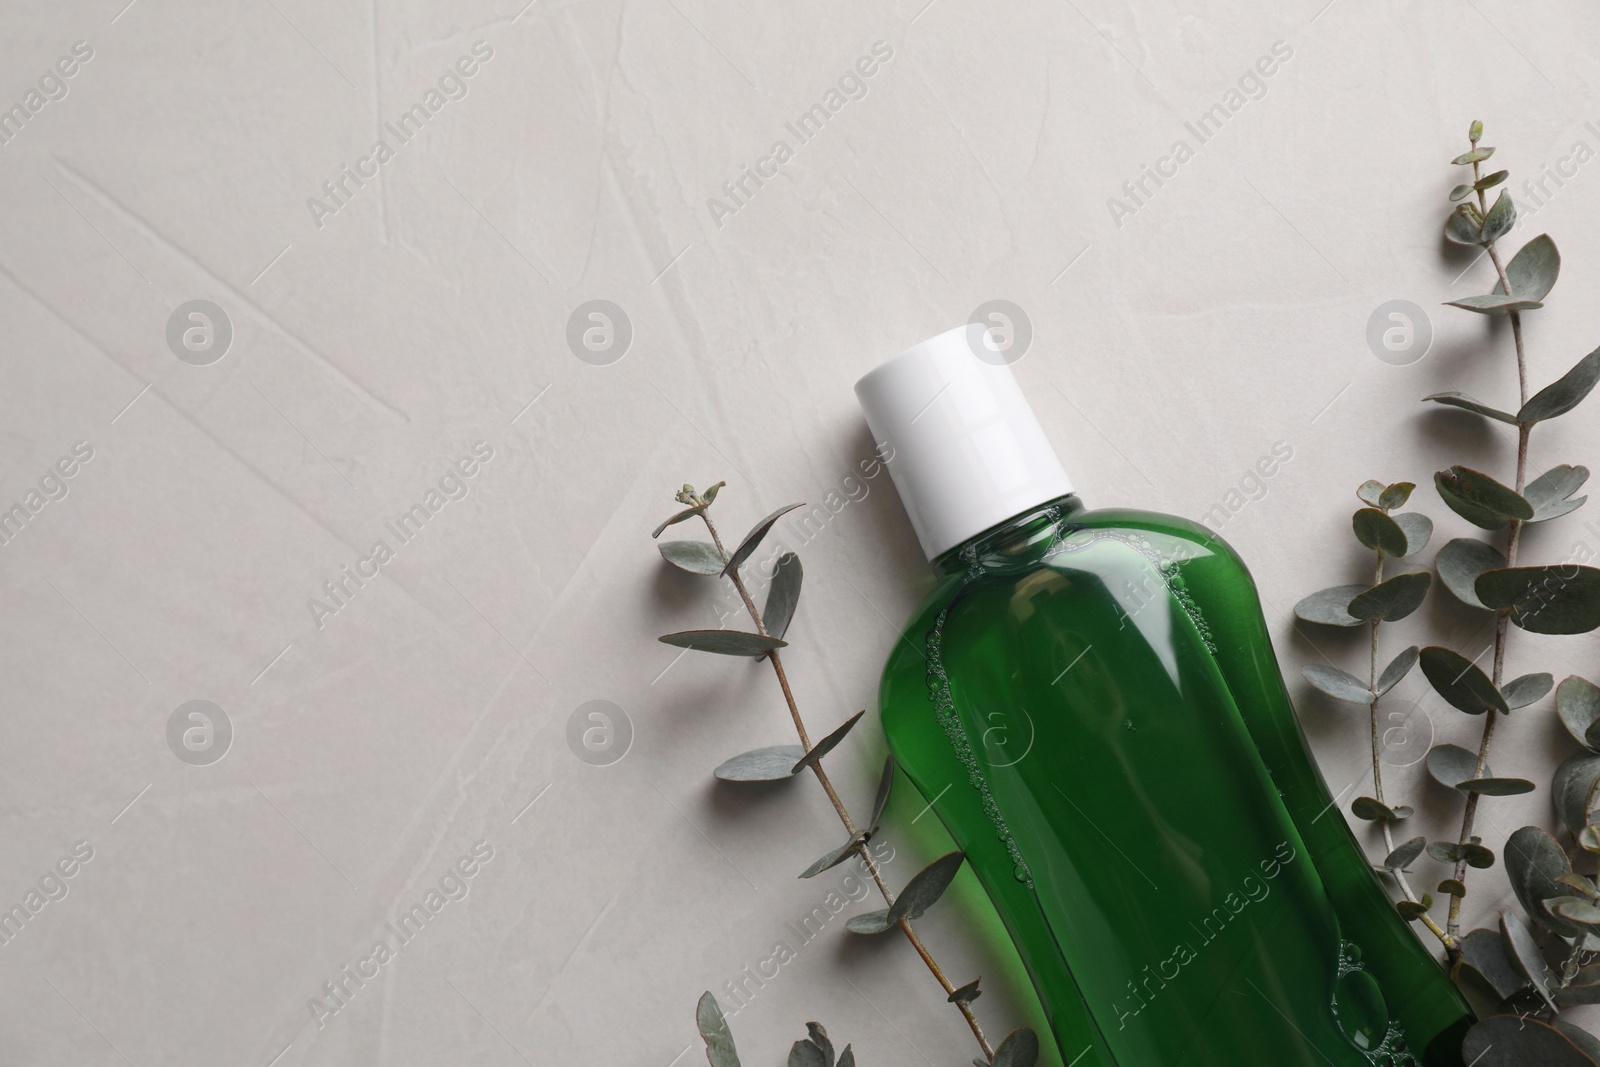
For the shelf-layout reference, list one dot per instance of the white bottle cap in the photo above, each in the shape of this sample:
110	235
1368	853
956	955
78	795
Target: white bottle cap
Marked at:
967	452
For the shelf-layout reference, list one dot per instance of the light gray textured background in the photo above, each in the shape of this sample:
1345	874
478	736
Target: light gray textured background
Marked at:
370	352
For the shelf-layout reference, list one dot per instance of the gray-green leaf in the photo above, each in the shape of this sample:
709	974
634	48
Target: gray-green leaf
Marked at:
696	557
1551	492
1462	226
1494	304
1578	706
1378	531
1502	216
1370	491
724	642
1461	682
1418	530
1019	1049
1393	599
1340	685
819	1038
881	801
753	539
1534	860
1461	561
1397	669
1484	951
715	1033
1376	811
1570	789
829	860
1480	499
1396	495
1520	1041
1489	181
966	994
1405	853
1564	394
783	595
1520	692
1330	607
805	1053
926	887
1577	911
827	744
771	764
1462	400
1523	951
1563	599
872	922
1477	155
1450	765
1534	269
1496	787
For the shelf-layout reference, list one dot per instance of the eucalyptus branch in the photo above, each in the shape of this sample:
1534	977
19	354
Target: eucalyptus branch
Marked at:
1020	1047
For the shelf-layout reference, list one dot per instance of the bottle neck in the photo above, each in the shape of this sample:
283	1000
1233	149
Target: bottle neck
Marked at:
1020	539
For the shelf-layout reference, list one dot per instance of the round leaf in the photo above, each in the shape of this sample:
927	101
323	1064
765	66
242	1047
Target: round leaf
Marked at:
1405	853
1484	952
1477	155
1396	495
1462	227
966	994
772	764
1330	607
1461	561
1518	1041
715	1033
1502	216
1551	492
1418	530
1489	181
872	922
1397	669
1376	811
1577	911
696	557
1461	682
1578	706
1019	1049
1450	765
1564	394
1480	499
1570	789
1370	491
1394	599
1534	860
1563	599
1378	531
1525	955
1534	269
1520	692
1338	684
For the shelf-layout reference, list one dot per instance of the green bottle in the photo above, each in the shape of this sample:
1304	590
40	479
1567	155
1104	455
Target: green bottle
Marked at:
1091	703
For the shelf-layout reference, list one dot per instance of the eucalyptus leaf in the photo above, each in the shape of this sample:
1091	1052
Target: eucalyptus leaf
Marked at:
696	557
881	801
1480	499
827	744
1577	911
926	887
829	860
1461	682
1534	860
783	595
1462	226
847	1058
772	764
1370	491
753	539
1489	181
872	922
1579	882
1494	303
1397	669
1452	887
1586	1042
1501	217
682	516
1418	530
1477	155
724	642
1460	562
1019	1049
1330	607
1376	811
1583	989
1378	531
1520	692
966	994
1450	765
1562	599
819	1037
1462	400
1551	492
1570	787
1484	952
1396	495
1341	685
1392	599
1412	910
1476	855
1578	707
1589	839
807	1054
1496	787
715	1033
1525	956
1404	853
1534	269
1520	1041
1564	394
1460	191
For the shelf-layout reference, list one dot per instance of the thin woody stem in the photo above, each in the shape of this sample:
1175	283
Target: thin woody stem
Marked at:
1469	814
838	805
